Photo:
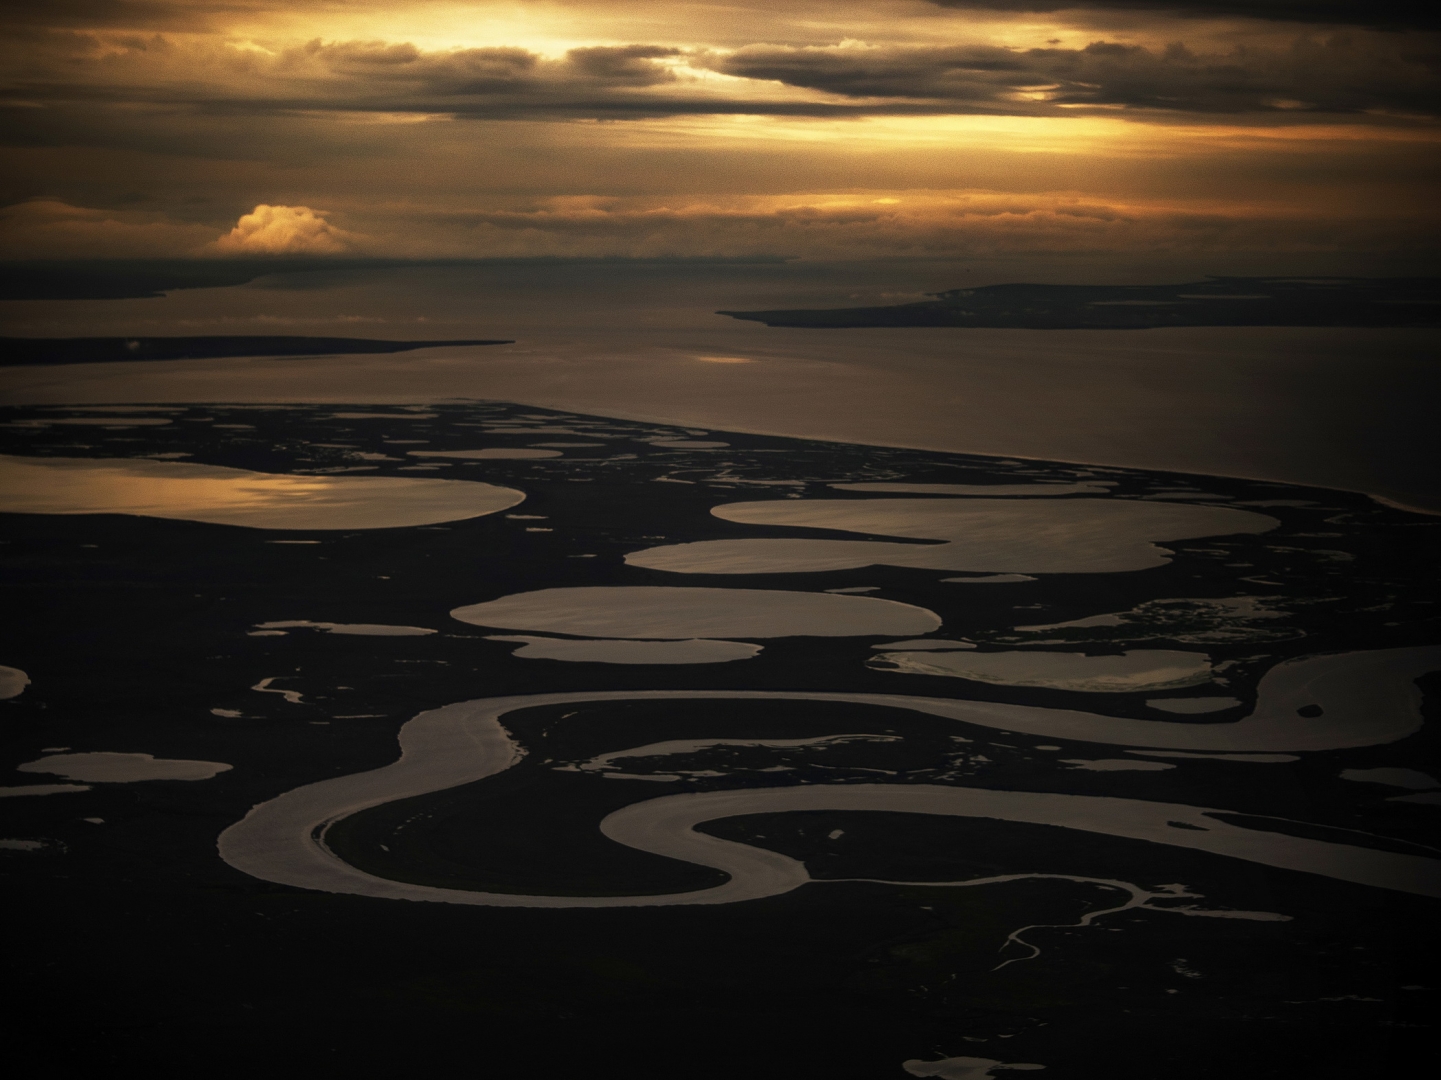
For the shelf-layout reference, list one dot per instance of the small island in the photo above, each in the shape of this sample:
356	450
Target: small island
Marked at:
1216	301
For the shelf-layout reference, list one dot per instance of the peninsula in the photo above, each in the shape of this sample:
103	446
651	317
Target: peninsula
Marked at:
94	350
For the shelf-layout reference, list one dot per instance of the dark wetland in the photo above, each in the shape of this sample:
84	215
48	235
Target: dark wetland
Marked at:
1139	844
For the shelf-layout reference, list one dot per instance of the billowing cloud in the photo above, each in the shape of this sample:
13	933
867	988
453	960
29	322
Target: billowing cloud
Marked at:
284	230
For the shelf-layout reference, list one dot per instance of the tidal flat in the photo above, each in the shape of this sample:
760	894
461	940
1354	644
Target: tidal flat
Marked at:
1162	795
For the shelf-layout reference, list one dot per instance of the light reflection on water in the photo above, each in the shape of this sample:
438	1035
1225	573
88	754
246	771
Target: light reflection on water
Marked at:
225	496
1346	408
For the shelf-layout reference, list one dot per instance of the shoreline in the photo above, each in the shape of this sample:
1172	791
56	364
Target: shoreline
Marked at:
1425	504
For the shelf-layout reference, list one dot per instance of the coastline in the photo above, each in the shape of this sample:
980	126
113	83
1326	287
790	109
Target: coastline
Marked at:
1238	403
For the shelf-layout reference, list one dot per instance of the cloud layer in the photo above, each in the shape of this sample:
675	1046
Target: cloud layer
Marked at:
1336	75
1400	14
51	229
601	127
1180	65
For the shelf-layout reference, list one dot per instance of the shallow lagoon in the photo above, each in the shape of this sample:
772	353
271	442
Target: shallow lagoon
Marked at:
13	682
1066	536
603	651
227	496
665	612
1131	672
351	629
106	767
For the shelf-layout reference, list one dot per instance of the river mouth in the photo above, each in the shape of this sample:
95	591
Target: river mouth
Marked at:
445	752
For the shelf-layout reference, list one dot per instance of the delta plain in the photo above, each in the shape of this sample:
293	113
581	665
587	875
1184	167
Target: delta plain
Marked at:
871	540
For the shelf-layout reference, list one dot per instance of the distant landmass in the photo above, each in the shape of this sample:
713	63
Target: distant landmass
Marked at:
128	279
139	279
1217	301
93	350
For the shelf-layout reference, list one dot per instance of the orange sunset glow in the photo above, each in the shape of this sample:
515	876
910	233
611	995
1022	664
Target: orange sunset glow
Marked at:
721	539
860	129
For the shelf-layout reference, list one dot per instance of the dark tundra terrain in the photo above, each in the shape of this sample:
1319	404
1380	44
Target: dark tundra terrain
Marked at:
268	661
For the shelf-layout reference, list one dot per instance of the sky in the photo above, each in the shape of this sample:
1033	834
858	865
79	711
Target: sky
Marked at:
842	129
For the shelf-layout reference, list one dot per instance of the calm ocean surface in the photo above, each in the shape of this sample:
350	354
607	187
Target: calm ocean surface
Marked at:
1339	408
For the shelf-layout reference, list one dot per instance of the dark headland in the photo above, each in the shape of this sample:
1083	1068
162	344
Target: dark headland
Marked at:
95	350
1217	301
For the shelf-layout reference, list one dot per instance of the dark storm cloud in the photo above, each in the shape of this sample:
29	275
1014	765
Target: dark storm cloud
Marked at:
628	65
57	67
1399	14
402	72
1342	74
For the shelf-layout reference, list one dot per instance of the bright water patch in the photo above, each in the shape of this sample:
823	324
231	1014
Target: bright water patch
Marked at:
116	408
1255	759
13	682
673	613
688	747
1116	765
1195	621
489	454
1192	706
940	644
1143	669
1402	778
30	846
996	535
291	697
1184	495
355	629
989	579
109	768
411	415
224	496
962	1068
623	651
1097	487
